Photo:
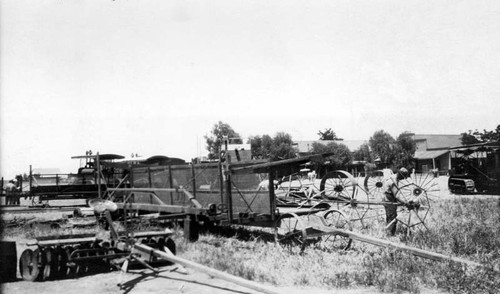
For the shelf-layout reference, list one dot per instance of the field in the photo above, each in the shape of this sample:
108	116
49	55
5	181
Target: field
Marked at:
461	226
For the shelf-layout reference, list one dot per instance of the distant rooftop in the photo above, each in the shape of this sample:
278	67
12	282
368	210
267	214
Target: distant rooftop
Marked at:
438	141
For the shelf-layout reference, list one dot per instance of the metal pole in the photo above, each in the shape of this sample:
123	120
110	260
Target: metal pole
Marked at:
31	177
149	178
221	181
272	196
228	181
98	166
194	180
170	180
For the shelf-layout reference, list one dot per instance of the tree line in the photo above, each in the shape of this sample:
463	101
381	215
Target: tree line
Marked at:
381	150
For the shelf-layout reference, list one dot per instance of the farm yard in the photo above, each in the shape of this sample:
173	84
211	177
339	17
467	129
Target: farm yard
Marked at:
466	227
250	147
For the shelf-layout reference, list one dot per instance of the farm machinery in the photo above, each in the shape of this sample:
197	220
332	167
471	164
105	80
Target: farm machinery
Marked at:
476	169
56	257
96	175
299	211
340	201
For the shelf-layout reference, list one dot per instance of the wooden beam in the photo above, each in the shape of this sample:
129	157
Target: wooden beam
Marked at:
262	167
204	269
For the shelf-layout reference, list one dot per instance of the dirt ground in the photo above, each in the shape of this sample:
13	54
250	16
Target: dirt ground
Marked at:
144	281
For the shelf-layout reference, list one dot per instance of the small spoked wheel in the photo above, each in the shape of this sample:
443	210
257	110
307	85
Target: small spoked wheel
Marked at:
374	184
290	230
335	219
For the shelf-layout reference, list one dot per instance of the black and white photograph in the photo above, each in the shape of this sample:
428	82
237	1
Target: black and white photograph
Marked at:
249	146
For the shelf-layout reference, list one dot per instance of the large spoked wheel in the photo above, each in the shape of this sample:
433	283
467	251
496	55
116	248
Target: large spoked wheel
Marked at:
417	191
290	230
336	219
28	265
338	185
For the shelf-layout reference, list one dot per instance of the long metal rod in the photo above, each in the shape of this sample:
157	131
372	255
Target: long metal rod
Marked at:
388	244
210	271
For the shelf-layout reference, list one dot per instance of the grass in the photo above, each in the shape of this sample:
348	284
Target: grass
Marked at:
465	228
468	228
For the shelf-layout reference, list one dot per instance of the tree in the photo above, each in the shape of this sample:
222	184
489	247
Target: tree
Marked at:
214	141
475	137
282	147
381	144
328	134
363	153
468	138
339	159
491	136
277	148
404	150
261	146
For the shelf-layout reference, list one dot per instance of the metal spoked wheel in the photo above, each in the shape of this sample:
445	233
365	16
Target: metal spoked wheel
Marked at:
28	265
336	219
374	185
338	185
290	230
416	211
418	191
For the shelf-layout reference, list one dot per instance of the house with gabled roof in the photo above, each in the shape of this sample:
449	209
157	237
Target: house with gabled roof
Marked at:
432	151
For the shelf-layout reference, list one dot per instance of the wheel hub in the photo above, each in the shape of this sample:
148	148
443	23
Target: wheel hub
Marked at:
338	188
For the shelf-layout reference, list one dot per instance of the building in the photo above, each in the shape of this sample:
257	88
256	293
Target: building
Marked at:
432	152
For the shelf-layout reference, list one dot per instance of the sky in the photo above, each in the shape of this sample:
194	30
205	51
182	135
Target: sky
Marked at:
153	77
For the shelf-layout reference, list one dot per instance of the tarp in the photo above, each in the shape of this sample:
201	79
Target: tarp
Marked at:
429	154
